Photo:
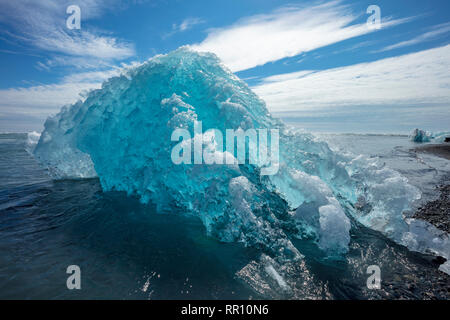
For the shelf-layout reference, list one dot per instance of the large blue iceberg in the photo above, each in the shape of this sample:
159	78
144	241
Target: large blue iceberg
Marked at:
122	134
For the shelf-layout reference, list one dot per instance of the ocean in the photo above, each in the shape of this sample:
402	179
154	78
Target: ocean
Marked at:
127	250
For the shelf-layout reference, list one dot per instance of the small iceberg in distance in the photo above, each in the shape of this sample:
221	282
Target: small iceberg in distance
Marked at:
122	134
420	136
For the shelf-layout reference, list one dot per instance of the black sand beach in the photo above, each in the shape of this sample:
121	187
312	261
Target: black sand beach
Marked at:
437	212
440	150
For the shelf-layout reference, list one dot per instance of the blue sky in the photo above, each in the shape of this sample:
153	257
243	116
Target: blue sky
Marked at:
315	63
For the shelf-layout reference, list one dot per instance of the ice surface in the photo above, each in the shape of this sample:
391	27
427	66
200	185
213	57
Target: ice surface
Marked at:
122	134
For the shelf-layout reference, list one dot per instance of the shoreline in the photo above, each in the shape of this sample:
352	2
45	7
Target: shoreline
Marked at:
440	150
437	212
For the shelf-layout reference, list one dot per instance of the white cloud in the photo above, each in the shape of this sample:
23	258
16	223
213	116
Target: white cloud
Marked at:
74	63
286	32
188	24
185	25
84	44
42	24
420	78
91	76
436	32
40	101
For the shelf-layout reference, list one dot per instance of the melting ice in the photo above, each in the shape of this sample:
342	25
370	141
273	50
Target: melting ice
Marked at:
122	134
418	135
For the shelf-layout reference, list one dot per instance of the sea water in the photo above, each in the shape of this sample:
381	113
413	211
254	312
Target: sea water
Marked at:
129	250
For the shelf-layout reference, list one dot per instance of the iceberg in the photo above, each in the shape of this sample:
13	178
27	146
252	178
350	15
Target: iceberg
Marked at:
122	132
420	136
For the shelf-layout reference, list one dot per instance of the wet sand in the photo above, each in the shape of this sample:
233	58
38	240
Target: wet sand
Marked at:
440	150
437	212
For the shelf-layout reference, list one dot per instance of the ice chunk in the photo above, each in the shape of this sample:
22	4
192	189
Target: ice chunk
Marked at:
32	140
424	237
419	135
122	134
441	137
334	227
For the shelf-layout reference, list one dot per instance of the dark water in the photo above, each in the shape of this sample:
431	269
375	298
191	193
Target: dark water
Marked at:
129	251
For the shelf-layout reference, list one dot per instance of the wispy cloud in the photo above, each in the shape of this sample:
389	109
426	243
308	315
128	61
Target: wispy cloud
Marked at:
74	62
84	44
286	32
185	25
436	31
420	78
19	53
90	55
39	101
42	100
355	47
188	24
41	25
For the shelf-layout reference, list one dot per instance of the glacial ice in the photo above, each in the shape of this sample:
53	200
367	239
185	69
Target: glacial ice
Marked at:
418	135
32	140
122	134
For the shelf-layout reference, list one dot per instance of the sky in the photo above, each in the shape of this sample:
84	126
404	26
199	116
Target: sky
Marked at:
317	64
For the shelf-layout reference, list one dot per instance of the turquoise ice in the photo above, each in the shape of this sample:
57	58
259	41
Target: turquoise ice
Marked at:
418	135
122	134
